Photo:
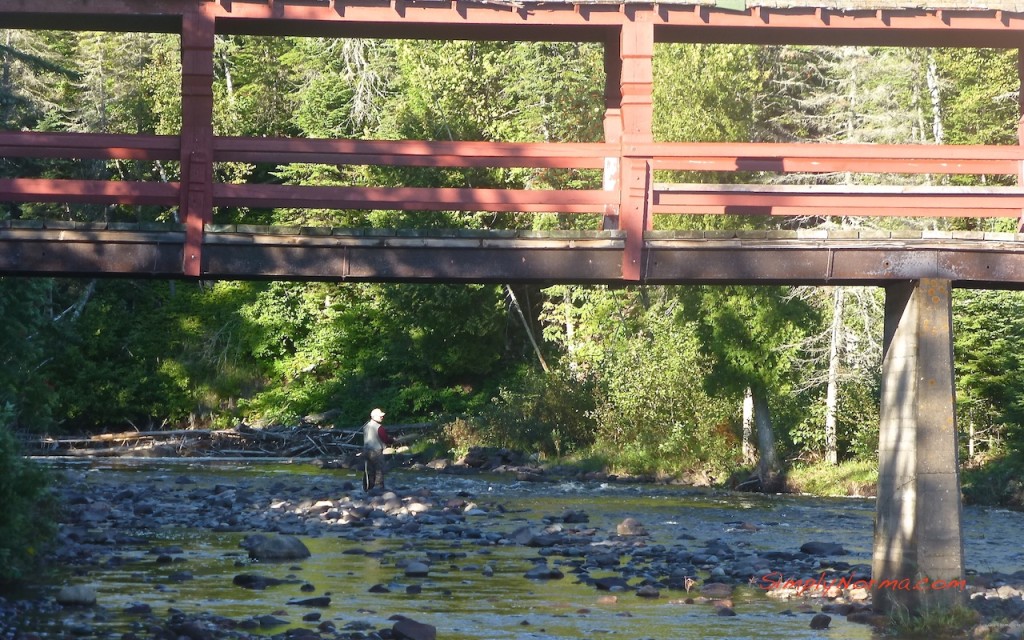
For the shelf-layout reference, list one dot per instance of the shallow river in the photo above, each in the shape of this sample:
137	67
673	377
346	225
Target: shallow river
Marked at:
477	590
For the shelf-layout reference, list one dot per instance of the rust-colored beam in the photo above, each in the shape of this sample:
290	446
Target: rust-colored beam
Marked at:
196	205
34	144
979	27
612	178
1020	127
697	156
417	153
411	198
751	199
824	158
816	25
636	82
88	191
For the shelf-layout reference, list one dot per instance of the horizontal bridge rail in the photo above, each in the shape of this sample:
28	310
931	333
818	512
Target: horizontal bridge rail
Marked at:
414	153
747	198
853	200
832	157
35	144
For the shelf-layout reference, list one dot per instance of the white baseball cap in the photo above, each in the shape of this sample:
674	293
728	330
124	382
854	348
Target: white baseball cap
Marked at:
376	414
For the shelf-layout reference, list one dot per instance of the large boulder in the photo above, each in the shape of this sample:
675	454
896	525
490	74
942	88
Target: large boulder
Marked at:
275	548
409	629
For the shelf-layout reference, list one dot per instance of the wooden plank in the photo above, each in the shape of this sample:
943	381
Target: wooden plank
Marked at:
411	198
839	210
825	158
854	190
585	21
861	200
826	150
419	153
34	144
838	165
88	191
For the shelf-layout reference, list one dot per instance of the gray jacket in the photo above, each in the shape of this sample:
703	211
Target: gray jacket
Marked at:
375	437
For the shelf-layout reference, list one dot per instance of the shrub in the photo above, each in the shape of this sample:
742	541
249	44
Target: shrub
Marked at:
27	520
549	413
933	622
459	436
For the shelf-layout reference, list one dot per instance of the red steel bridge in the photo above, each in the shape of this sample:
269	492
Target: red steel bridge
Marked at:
918	514
624	249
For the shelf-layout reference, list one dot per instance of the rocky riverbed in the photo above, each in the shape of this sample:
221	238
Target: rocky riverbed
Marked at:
200	550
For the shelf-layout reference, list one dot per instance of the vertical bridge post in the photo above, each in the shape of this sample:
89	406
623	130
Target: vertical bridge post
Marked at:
612	125
1020	129
196	196
918	534
636	81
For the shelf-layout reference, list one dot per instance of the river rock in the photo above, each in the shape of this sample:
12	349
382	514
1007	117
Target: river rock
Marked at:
823	549
611	583
267	621
409	629
522	535
631	527
716	590
192	630
275	548
417	569
543	572
77	596
821	621
318	601
258	582
574	517
138	609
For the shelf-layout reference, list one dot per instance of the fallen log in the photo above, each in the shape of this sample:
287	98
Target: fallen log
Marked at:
127	436
303	440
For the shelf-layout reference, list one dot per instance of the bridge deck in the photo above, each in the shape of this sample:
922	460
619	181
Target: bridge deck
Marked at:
625	172
848	257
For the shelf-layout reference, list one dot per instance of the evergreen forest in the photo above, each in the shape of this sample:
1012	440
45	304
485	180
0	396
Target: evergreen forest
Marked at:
656	380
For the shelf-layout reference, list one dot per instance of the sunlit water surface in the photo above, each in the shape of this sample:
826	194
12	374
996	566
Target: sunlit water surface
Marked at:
464	603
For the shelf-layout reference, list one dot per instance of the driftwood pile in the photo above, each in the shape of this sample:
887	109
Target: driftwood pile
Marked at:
277	441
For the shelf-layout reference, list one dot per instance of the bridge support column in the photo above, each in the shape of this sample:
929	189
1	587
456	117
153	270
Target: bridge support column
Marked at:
196	208
635	82
918	535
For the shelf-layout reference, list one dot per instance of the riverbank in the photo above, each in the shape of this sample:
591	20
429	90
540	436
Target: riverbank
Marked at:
160	548
994	483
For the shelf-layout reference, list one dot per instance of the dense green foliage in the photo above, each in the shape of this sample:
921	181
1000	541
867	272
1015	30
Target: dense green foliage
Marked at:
649	379
29	510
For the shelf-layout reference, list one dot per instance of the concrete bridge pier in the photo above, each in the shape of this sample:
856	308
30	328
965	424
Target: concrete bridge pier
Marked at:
918	546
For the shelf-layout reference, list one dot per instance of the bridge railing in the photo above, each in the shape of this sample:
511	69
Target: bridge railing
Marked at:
88	146
288	150
766	197
446	154
772	163
768	163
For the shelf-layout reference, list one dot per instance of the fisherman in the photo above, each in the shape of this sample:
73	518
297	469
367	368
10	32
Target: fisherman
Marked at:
375	436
